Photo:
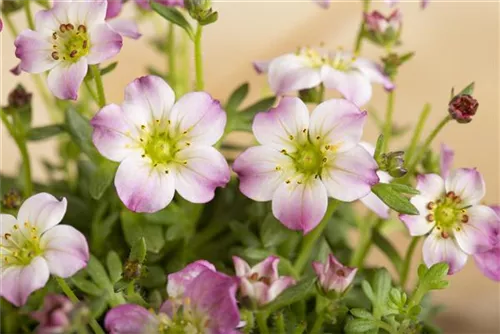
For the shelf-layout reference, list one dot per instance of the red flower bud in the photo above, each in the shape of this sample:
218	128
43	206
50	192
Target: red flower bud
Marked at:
462	108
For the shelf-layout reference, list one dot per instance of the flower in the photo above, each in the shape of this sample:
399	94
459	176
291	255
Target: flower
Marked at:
372	201
323	3
450	213
55	315
333	276
489	262
305	159
68	37
383	30
308	68
32	247
202	301
162	146
462	108
261	283
124	27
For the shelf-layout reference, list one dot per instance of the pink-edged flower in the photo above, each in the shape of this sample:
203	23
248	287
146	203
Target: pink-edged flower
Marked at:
161	146
333	276
423	3
68	37
383	30
304	159
125	27
54	317
323	3
202	301
372	201
261	283
308	68
32	247
449	211
489	262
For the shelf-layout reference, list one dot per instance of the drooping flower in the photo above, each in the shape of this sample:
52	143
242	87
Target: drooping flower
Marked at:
32	247
202	301
123	26
261	283
308	68
333	276
489	262
372	201
450	213
68	37
383	30
161	146
54	317
304	159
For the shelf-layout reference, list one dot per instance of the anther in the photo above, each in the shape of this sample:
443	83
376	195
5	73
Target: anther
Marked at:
283	151
84	44
15	227
82	28
55	55
304	130
7	235
299	182
169	122
69	26
141	139
143	127
325	159
278	168
26	224
340	272
318	137
73	53
290	137
62	28
431	206
185	163
184	132
287	181
188	144
327	147
166	171
143	155
451	195
54	35
430	218
155	165
465	219
254	276
445	235
316	176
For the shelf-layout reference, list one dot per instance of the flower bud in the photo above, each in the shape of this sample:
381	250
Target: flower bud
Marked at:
12	6
132	270
201	11
333	278
12	200
19	98
55	315
462	108
393	61
381	30
392	163
312	95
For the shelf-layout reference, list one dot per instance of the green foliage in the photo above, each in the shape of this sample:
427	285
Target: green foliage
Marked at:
392	195
173	15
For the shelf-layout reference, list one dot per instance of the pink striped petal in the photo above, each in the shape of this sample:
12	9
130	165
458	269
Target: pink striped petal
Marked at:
241	267
468	184
65	250
353	85
105	43
278	286
205	170
350	175
281	126
65	79
43	211
300	206
18	282
431	186
256	169
291	73
267	268
125	27
143	188
446	160
131	319
438	249
475	236
200	116
34	50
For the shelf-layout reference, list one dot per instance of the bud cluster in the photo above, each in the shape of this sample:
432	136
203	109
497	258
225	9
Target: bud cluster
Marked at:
201	11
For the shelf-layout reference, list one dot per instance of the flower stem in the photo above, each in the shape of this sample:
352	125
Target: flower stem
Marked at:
388	120
171	56
261	318
29	15
198	58
10	25
318	323
280	323
71	295
310	239
98	83
365	242
388	328
361	31
418	131
407	261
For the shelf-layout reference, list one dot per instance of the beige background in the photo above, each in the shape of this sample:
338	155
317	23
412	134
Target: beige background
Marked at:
455	43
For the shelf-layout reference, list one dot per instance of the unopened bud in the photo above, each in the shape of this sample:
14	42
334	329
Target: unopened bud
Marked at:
462	108
12	6
201	11
312	95
393	61
19	98
382	30
12	200
132	270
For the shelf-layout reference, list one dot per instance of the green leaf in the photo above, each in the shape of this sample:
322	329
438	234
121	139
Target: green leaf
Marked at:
404	189
102	178
422	270
367	289
388	249
381	286
379	146
86	286
209	19
434	278
98	306
96	271
138	251
175	16
155	278
237	98
298	292
44	132
109	68
135	226
469	90
241	231
272	232
415	311
81	132
393	199
361	313
261	105
360	326
115	268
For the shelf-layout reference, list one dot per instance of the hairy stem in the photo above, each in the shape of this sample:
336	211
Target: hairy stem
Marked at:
101	98
261	318
388	120
407	261
198	57
418	131
29	15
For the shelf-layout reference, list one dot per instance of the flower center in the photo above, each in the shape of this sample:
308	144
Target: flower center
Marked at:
185	320
20	246
309	160
70	43
314	58
447	214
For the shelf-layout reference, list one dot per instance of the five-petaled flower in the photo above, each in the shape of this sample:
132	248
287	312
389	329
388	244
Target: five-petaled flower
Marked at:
333	276
32	247
261	283
449	211
162	146
68	37
201	301
304	159
308	68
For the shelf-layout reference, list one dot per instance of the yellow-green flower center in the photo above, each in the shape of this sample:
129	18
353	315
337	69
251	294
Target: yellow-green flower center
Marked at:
447	214
184	321
21	245
70	43
316	59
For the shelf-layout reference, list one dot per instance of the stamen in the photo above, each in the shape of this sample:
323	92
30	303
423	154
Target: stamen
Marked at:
451	195
188	144
431	206
62	28
84	44
299	182
55	55
445	235
340	272
465	219
290	137
69	26
325	159
278	168
254	276
304	131
54	35
327	147
143	127
287	181
166	171
16	227
318	137
73	53
283	151
82	28
430	218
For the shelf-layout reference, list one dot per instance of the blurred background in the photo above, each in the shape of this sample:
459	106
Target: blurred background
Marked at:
455	43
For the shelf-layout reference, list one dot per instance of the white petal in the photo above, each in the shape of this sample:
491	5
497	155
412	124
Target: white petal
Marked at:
65	79
475	236
105	43
418	224
374	72
375	204
125	27
431	186
468	184
42	211
438	249
291	72
353	85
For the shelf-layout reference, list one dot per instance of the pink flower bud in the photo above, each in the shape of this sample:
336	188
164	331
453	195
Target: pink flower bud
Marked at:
54	317
383	30
333	276
462	108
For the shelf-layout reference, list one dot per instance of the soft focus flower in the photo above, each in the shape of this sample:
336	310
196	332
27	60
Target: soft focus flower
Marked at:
323	3
372	201
202	301
450	212
446	160
462	108
383	30
333	276
162	146
489	262
423	3
308	68
125	27
55	315
68	37
261	283
304	159
12	199
32	247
